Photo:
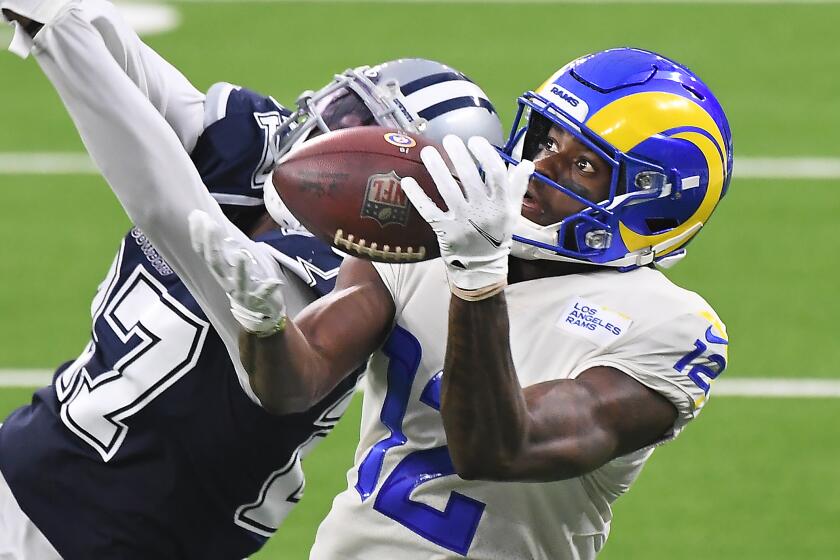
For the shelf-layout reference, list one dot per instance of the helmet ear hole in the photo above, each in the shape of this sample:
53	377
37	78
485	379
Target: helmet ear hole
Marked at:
658	225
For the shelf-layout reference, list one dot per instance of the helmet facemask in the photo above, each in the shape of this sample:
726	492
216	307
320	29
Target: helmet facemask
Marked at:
587	235
351	99
413	95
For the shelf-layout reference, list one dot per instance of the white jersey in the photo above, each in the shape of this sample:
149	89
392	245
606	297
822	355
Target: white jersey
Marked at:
403	500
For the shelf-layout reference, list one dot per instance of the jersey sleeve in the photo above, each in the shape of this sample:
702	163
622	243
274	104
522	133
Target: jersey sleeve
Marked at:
234	155
390	274
309	259
679	358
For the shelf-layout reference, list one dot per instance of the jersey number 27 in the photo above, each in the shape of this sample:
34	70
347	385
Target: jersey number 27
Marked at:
159	341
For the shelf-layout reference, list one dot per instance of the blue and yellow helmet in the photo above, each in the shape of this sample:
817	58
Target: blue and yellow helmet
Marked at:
666	138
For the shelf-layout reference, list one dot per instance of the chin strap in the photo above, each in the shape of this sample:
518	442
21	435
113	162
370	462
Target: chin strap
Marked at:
547	235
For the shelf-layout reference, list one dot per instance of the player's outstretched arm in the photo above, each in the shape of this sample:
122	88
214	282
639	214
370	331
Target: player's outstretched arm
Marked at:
546	432
137	152
293	364
294	369
169	91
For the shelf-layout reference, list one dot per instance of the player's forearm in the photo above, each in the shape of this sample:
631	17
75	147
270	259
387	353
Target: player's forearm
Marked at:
484	412
287	373
131	143
169	91
166	88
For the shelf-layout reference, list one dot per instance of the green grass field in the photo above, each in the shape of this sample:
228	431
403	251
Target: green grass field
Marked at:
754	478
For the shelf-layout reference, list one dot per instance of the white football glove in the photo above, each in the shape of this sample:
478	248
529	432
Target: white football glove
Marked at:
250	281
39	11
475	234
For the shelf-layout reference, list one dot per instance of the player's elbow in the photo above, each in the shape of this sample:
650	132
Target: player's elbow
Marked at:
487	463
285	402
469	469
286	406
481	469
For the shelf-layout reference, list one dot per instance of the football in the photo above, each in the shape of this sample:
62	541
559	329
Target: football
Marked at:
344	187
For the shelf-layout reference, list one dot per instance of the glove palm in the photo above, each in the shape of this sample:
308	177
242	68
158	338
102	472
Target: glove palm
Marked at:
475	234
250	282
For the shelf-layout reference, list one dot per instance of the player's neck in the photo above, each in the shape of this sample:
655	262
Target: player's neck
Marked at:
521	270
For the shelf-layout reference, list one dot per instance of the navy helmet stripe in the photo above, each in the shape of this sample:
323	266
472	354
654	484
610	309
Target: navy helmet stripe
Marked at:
431	80
453	104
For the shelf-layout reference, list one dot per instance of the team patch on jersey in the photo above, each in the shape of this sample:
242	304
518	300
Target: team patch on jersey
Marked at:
593	321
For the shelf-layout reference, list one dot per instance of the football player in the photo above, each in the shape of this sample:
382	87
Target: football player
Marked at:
153	443
519	383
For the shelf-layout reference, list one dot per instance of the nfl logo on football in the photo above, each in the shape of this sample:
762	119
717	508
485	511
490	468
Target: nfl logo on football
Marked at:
385	201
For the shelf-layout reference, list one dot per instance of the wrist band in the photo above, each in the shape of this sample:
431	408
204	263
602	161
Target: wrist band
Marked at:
480	293
278	327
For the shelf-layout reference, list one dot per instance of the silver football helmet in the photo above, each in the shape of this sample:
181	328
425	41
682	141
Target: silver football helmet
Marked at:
411	94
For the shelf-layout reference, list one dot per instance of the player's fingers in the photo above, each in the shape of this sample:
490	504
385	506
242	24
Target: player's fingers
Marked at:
241	261
518	178
267	288
465	166
427	209
205	235
495	171
446	184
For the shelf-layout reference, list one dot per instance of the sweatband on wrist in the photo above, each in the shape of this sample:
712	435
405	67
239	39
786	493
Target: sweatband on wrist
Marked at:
278	327
480	293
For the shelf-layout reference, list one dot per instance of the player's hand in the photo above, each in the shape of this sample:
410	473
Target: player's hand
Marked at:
251	283
475	234
31	14
12	16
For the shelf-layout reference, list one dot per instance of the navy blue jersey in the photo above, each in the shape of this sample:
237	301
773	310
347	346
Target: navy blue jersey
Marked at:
234	154
146	446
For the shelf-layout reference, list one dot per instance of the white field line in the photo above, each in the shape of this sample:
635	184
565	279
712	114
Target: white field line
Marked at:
47	163
58	163
25	377
787	168
758	387
744	387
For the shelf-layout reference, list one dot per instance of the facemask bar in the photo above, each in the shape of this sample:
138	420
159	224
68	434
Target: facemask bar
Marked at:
385	102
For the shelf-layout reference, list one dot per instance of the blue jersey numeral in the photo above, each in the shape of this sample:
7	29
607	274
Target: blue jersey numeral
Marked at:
453	528
701	374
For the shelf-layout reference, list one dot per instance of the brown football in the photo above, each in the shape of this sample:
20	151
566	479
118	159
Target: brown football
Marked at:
344	187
